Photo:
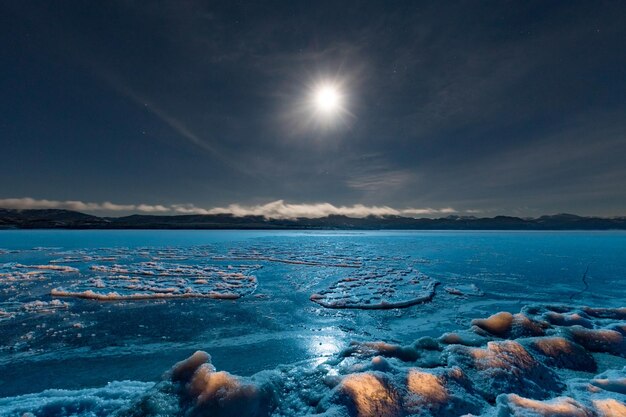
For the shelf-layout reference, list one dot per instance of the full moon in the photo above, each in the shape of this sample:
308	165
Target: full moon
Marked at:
324	105
327	99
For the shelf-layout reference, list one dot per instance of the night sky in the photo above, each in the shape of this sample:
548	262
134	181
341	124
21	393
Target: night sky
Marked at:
468	108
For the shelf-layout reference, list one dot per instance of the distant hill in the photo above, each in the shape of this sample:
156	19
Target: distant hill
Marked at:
66	219
49	219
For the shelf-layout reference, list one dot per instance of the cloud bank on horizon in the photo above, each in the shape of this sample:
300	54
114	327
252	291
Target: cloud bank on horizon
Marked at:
274	210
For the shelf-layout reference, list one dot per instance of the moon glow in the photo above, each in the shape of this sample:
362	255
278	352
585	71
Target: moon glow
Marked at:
327	99
320	106
327	104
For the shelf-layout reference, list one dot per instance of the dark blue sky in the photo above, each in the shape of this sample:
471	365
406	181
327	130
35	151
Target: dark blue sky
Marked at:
468	107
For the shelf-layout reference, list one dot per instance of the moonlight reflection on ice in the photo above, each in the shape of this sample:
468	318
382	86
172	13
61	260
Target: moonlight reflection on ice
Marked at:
323	347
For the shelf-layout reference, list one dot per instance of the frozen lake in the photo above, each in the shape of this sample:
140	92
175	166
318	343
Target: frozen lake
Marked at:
79	309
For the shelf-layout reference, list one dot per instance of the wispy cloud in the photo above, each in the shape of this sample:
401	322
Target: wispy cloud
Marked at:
174	123
31	203
380	180
278	209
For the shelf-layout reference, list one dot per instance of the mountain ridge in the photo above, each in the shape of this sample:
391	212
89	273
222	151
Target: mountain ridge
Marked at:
68	219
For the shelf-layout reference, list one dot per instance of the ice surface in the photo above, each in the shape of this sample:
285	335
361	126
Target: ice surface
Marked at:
321	256
430	359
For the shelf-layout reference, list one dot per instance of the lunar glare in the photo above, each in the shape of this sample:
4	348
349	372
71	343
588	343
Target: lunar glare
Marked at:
321	105
326	105
327	99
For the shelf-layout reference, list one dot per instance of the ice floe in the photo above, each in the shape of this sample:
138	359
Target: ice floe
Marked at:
378	289
151	280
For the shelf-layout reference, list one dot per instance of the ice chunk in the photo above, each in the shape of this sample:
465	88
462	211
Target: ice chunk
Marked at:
39	306
507	325
404	353
561	353
499	324
464	290
398	392
567	319
444	392
428	387
504	367
57	268
463	338
606	313
11	273
5	315
600	340
204	391
369	395
611	380
609	407
221	394
184	370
